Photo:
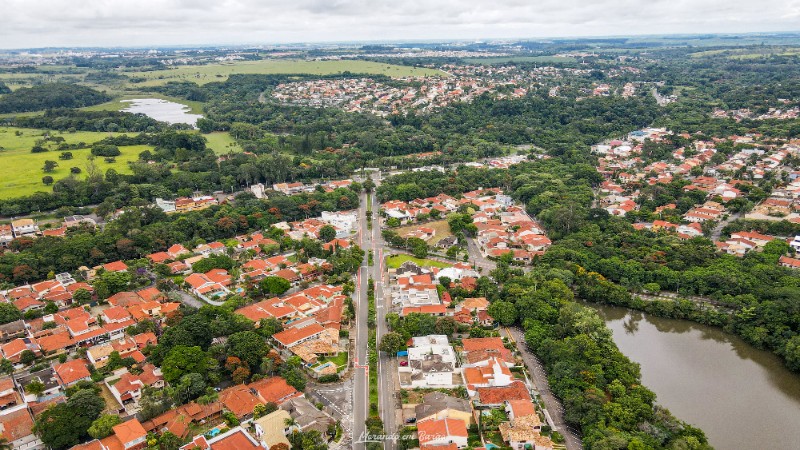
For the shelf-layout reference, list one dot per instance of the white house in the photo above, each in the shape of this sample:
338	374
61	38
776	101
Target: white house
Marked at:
431	364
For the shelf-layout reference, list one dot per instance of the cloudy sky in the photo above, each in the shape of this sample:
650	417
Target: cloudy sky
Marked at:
39	23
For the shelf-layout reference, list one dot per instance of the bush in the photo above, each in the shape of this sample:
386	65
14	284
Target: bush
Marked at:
330	378
105	150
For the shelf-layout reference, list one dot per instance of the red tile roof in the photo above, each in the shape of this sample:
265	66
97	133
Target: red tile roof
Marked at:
73	371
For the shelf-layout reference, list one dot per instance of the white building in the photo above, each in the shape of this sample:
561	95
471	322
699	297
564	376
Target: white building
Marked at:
431	364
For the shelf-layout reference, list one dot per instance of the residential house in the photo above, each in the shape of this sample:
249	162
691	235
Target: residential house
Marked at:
437	406
442	432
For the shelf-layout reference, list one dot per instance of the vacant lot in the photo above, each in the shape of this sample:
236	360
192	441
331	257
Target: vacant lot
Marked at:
222	143
441	227
21	171
393	262
220	72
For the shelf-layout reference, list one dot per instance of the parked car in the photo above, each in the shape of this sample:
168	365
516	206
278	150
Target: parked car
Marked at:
403	363
411	420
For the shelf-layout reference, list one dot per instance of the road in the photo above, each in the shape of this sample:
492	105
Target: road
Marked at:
477	259
553	404
388	400
361	360
717	231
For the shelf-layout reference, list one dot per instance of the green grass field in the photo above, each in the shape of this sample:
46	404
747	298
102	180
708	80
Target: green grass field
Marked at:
520	59
21	171
220	72
393	262
222	143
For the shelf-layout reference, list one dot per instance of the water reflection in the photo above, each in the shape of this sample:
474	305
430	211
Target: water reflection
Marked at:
712	379
162	110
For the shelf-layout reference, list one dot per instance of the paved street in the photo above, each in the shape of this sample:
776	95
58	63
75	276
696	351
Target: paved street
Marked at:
553	404
360	359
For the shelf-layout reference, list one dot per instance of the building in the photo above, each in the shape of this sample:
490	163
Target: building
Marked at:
431	364
24	227
437	406
17	428
272	429
442	432
234	439
72	372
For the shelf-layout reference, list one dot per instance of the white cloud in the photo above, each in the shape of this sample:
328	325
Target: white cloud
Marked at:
37	23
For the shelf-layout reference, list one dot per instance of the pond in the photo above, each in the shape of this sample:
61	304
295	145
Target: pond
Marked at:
740	396
162	110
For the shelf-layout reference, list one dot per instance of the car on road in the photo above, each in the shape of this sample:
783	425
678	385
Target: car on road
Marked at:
411	420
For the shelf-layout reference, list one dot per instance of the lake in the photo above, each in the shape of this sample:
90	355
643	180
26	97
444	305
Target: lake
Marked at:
162	110
740	396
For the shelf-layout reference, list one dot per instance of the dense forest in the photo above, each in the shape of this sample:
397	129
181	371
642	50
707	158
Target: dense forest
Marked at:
54	95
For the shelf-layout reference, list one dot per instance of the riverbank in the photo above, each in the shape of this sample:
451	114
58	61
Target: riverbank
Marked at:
710	378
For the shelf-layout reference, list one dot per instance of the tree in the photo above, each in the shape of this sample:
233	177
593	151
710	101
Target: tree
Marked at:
248	346
327	233
190	386
59	428
392	343
27	357
35	387
240	375
65	155
9	313
274	285
6	366
503	312
75	170
87	403
82	296
49	166
102	426
169	441
182	360
47	180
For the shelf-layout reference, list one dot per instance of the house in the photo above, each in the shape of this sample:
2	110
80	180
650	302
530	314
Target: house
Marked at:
495	397
274	390
437	406
272	429
431	364
12	330
496	373
307	416
234	439
179	420
24	227
10	399
13	350
17	428
127	388
525	433
791	263
130	434
213	283
116	266
442	432
72	372
6	235
239	400
46	376
296	335
479	351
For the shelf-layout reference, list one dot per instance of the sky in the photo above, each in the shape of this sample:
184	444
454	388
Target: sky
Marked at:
147	23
